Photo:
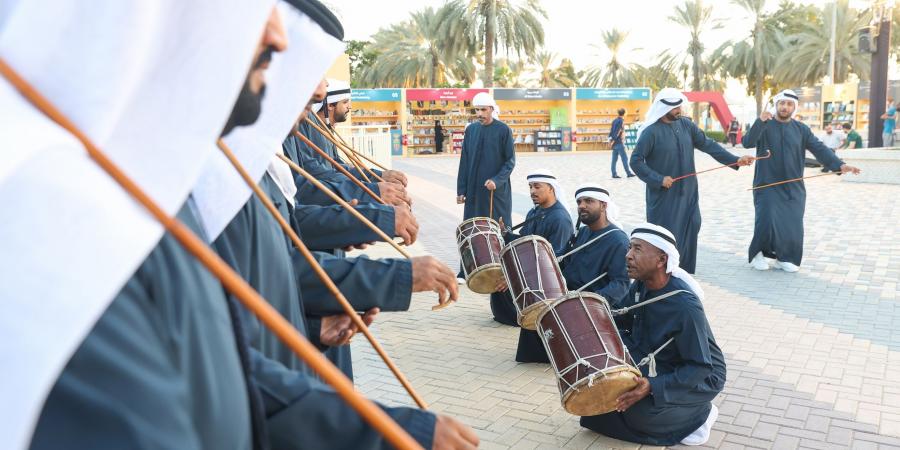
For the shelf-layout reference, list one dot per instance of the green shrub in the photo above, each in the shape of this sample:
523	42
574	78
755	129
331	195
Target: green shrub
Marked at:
718	136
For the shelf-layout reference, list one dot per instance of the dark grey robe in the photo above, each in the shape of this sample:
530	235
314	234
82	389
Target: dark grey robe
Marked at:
690	369
161	369
668	150
604	255
555	225
487	153
778	227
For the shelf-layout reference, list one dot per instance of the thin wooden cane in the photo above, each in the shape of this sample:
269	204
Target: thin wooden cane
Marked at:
354	155
338	166
491	210
232	282
375	163
343	147
358	165
346	206
329	284
756	158
793	180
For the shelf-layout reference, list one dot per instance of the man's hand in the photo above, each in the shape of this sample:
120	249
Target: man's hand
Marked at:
847	169
338	329
501	285
405	224
359	246
451	434
489	184
631	397
394	176
745	160
765	116
394	194
667	182
429	274
460	199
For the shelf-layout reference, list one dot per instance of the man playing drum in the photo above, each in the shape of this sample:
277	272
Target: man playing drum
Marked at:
684	367
550	220
597	248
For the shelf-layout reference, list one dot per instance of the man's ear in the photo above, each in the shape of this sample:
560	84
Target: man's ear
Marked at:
663	259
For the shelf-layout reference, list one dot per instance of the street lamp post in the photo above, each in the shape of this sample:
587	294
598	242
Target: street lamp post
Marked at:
881	17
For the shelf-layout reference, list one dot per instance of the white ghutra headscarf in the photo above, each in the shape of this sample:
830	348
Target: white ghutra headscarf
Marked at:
662	239
546	176
482	99
596	192
786	94
666	100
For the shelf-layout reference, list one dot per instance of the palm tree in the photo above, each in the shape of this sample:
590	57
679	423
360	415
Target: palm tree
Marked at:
805	60
696	17
656	77
491	25
548	74
508	73
753	58
414	53
616	73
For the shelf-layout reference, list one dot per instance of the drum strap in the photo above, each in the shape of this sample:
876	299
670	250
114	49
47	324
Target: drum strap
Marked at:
619	312
591	282
651	359
586	244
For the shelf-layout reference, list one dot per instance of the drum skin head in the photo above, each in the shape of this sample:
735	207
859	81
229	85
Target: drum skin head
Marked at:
529	317
484	279
600	398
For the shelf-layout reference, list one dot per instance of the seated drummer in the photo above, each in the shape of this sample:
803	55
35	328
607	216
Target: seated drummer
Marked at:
550	220
599	247
671	338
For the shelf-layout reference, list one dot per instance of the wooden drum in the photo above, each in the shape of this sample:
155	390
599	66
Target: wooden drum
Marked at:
592	364
479	242
533	277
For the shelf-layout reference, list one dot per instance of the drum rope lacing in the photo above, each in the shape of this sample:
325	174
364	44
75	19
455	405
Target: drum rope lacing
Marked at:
539	290
476	230
584	359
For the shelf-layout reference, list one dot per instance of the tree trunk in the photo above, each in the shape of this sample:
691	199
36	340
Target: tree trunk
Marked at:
757	56
695	84
489	37
434	69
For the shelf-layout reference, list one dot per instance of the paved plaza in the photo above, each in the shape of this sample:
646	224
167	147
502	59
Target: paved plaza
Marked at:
813	357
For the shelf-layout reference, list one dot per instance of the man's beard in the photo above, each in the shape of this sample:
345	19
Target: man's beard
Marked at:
672	117
784	116
248	106
588	218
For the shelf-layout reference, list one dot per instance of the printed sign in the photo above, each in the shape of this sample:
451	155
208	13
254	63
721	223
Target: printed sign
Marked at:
532	94
613	94
442	94
375	95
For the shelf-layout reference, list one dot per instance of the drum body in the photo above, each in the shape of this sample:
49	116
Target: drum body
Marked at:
533	277
479	242
592	364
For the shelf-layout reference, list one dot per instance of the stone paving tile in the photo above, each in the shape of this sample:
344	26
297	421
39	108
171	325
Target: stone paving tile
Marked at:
812	357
